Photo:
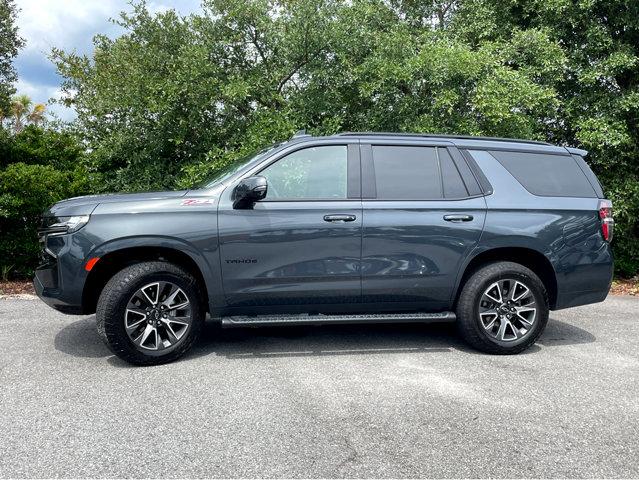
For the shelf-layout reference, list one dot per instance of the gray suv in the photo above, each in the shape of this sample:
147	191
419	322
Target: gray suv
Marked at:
357	227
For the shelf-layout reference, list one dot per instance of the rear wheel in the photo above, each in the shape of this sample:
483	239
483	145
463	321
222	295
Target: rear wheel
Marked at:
502	309
150	313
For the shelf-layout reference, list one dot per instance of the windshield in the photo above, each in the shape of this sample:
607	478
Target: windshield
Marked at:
235	166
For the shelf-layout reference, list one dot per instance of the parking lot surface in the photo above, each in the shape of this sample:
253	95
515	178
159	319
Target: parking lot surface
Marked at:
339	401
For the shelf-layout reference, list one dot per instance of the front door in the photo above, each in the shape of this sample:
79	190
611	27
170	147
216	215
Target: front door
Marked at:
423	214
301	245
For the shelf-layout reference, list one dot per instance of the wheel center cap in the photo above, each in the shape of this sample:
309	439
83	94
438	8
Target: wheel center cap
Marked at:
155	314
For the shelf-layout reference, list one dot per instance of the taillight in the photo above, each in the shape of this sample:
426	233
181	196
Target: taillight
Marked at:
607	222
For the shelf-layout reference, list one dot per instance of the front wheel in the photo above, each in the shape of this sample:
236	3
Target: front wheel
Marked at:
150	313
502	309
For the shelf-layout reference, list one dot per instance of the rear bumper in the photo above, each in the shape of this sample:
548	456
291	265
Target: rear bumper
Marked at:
586	282
574	299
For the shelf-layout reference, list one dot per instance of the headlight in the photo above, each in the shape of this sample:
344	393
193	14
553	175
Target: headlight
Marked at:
62	225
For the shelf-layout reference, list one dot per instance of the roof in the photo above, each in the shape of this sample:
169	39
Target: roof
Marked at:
460	141
440	136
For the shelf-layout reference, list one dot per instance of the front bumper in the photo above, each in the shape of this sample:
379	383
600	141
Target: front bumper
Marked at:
53	296
59	279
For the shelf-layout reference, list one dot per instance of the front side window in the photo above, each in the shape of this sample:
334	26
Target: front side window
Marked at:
310	173
235	166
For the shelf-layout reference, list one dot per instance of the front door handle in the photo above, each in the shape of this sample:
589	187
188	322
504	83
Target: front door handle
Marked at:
339	218
458	218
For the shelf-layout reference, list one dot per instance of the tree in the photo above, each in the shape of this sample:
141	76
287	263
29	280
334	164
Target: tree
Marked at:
175	92
21	112
41	146
597	86
10	44
175	98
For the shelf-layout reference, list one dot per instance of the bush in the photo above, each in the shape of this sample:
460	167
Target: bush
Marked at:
38	167
25	191
624	193
35	145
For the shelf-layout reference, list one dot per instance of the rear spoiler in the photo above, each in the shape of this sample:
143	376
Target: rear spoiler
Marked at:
577	151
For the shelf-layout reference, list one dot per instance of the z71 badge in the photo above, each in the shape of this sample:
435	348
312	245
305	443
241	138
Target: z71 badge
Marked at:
191	202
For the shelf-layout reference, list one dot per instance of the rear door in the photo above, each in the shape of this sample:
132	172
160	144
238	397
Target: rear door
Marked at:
423	213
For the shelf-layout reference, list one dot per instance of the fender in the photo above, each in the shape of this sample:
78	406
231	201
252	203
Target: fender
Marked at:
529	243
210	273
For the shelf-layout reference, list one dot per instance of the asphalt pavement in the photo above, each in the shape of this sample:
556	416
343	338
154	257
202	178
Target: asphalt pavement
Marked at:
338	401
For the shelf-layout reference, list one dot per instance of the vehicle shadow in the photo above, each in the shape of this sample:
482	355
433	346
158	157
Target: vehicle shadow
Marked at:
325	340
559	333
80	339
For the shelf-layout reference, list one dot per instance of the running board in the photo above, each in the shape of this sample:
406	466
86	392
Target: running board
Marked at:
321	319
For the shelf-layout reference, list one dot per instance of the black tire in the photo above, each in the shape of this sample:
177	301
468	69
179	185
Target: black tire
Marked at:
112	306
469	323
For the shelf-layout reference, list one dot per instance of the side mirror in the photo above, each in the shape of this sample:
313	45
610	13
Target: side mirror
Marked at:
249	191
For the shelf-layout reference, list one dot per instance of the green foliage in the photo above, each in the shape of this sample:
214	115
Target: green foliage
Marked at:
596	85
175	99
35	145
10	43
175	95
624	192
41	167
44	184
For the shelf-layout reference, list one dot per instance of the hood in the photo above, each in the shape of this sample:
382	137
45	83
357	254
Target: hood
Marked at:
85	205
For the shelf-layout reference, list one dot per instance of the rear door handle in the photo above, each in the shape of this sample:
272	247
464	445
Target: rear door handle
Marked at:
339	218
458	218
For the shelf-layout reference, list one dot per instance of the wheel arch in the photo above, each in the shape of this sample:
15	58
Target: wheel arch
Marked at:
115	257
528	257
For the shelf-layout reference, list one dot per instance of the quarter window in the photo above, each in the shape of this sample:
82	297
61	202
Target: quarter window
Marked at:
546	175
310	173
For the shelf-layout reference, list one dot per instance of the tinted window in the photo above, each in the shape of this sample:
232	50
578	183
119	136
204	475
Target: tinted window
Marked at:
470	164
594	181
462	164
453	184
406	173
235	166
314	173
547	175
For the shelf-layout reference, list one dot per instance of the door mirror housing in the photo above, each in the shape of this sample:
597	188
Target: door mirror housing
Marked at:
249	191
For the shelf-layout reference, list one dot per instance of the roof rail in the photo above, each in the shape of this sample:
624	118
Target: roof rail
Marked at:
439	135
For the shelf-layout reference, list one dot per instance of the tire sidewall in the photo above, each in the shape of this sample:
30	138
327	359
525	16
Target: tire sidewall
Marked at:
113	326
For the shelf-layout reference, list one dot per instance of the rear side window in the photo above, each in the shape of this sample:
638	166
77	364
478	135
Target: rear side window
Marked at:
546	175
406	173
451	179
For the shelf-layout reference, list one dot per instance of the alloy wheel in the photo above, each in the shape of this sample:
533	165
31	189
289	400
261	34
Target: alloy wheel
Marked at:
158	316
507	310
